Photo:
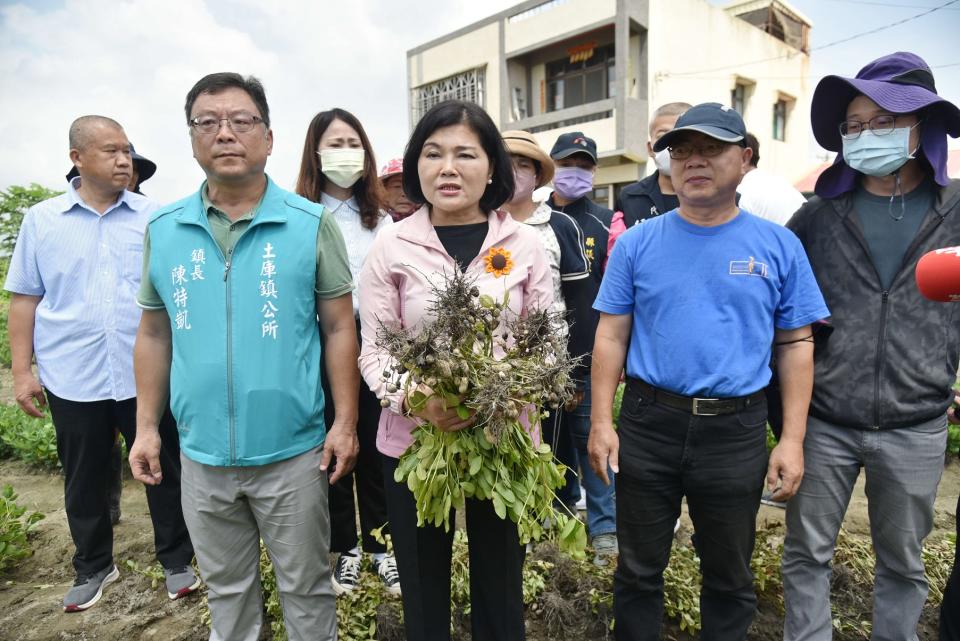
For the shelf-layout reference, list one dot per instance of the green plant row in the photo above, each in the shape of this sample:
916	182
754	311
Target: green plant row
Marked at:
16	523
29	439
953	439
563	593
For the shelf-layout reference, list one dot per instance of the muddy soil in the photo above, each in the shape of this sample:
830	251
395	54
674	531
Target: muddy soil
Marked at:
30	595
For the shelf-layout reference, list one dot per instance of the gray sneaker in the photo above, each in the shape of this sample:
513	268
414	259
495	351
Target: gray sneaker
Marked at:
180	581
605	546
88	589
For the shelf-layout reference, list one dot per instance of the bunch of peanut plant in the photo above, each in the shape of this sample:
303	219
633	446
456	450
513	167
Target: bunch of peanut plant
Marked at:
485	362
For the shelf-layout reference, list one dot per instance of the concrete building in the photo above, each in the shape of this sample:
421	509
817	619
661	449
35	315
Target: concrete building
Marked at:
602	66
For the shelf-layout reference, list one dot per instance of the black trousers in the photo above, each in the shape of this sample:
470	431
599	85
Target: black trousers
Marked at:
367	476
85	439
718	463
950	608
424	559
556	433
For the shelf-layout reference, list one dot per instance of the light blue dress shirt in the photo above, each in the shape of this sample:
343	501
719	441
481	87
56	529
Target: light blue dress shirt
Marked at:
86	267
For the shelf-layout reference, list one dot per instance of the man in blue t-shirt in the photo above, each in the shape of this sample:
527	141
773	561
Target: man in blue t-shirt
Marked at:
694	303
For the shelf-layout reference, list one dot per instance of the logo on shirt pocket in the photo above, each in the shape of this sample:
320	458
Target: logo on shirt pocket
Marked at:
750	267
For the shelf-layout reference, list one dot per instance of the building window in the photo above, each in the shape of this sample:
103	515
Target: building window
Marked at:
579	79
780	120
601	195
468	86
738	98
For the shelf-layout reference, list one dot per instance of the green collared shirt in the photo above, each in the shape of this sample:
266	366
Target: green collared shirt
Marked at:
333	265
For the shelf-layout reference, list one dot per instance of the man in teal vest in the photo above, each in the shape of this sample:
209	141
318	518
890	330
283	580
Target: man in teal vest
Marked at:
232	286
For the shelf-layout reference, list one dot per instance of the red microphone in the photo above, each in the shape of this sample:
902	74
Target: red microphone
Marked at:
938	275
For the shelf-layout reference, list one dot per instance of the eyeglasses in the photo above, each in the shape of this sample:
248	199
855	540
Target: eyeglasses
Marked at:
879	125
240	123
707	150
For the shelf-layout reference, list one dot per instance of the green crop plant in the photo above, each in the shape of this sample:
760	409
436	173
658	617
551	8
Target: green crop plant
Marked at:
29	439
16	523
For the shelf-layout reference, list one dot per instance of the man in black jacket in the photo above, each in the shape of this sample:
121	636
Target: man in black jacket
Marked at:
883	379
653	195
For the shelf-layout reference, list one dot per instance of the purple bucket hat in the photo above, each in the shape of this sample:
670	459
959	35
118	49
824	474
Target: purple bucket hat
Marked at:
900	83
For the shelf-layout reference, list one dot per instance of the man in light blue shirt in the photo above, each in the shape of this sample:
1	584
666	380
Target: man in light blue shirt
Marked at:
73	277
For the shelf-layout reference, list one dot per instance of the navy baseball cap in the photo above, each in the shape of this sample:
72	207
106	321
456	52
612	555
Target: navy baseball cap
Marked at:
574	143
711	119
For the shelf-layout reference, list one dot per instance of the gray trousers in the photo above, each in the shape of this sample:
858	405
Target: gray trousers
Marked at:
903	468
228	509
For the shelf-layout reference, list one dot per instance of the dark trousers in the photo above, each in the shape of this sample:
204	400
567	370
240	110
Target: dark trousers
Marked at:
367	476
718	463
85	439
556	433
423	563
950	608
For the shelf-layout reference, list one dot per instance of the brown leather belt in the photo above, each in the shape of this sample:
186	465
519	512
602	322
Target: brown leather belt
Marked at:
697	406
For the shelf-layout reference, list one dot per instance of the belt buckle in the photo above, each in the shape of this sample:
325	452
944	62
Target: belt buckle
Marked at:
698	412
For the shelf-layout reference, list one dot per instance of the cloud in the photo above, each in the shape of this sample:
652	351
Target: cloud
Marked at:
135	60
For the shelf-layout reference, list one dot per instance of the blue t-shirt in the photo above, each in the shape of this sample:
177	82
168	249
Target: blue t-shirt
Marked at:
705	301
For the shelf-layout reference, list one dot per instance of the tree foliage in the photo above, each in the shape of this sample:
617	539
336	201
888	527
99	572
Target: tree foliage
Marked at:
14	203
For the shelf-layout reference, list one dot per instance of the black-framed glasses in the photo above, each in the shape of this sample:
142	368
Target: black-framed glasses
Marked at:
881	125
707	150
239	123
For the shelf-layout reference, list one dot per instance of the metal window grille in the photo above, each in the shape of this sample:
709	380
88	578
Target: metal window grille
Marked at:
468	85
535	11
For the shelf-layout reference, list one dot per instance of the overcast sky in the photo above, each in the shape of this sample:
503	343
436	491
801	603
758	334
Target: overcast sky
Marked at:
135	60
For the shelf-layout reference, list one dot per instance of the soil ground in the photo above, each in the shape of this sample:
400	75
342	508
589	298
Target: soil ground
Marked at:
30	596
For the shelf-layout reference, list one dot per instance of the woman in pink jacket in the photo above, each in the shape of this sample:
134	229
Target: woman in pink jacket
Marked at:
456	163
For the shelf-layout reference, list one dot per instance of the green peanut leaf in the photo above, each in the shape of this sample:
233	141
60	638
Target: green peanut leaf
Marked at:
499	507
476	462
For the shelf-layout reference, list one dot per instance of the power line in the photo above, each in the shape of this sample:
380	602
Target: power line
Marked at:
829	44
725	76
884	27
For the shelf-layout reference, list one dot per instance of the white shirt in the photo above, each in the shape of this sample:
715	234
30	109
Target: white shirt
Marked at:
357	237
85	267
769	196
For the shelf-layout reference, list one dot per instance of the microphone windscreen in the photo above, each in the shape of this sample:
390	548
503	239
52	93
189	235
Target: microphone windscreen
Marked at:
938	274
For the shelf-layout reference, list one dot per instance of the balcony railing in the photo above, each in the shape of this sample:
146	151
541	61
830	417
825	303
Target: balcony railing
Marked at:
554	119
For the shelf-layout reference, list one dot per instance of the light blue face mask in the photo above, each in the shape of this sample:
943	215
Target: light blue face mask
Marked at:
875	155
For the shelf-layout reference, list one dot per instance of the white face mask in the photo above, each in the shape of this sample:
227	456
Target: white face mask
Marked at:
343	167
662	160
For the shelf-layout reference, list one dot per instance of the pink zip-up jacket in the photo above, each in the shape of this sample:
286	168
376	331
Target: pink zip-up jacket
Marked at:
394	289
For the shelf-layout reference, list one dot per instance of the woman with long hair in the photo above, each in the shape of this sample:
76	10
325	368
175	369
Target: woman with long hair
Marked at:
457	164
338	170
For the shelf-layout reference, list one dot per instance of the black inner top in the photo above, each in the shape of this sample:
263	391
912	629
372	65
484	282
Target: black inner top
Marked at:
462	242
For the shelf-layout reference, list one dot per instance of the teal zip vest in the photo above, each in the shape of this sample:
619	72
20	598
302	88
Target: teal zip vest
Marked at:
245	374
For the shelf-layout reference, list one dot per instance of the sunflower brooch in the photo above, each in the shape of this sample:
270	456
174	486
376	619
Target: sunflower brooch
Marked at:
498	261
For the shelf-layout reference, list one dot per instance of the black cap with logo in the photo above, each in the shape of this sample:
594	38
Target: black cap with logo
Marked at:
574	143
